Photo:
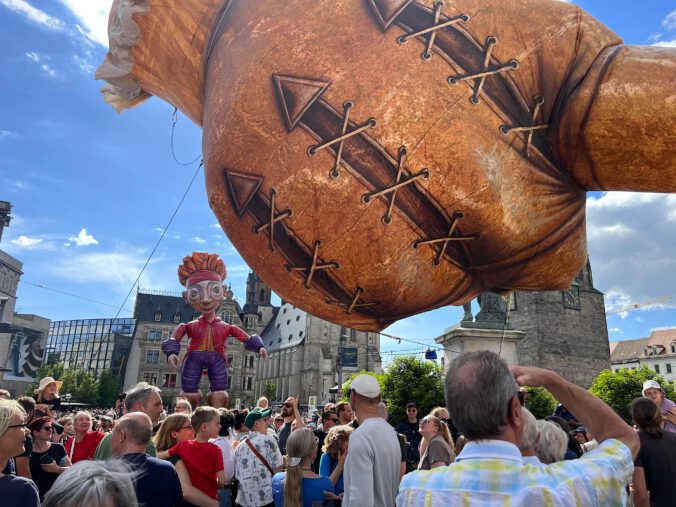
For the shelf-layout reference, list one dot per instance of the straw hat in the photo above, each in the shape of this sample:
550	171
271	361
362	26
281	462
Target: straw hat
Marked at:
45	382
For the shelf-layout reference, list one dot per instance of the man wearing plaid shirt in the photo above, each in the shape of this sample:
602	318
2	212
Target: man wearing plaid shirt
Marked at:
482	398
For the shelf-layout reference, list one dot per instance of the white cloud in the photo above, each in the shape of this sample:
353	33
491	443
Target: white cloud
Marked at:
26	242
215	226
662	328
37	58
32	55
48	70
616	330
34	15
199	240
669	23
93	16
7	134
631	241
666	44
83	239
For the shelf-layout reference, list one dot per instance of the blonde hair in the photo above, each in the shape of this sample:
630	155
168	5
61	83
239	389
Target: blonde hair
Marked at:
300	444
203	415
9	409
442	427
267	402
163	440
64	420
336	436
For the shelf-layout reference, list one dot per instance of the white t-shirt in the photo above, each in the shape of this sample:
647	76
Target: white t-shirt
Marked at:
228	456
371	472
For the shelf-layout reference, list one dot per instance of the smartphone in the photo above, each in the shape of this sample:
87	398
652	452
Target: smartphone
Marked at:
46	459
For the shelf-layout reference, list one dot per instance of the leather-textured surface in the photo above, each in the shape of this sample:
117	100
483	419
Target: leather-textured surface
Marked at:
370	164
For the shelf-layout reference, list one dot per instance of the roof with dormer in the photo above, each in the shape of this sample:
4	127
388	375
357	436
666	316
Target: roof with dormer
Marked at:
658	343
285	329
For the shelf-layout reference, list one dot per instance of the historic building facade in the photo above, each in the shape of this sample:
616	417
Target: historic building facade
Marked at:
304	351
566	331
657	352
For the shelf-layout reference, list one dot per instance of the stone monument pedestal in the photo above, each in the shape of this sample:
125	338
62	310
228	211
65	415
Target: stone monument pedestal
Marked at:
473	336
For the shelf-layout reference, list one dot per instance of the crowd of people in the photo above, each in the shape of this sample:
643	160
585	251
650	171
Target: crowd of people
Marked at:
483	447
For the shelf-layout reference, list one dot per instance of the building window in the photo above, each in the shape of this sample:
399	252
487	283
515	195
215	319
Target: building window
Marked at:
673	348
229	383
251	361
353	335
228	316
668	367
231	360
231	340
153	356
248	383
657	368
158	316
169	380
150	377
177	318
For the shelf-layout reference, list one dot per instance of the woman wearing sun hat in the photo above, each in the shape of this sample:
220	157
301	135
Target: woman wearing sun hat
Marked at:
653	390
47	394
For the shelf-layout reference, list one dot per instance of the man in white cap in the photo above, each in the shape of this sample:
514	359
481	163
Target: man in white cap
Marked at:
371	470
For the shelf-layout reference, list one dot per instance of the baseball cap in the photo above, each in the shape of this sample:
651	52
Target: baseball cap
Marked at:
256	414
581	429
366	385
650	384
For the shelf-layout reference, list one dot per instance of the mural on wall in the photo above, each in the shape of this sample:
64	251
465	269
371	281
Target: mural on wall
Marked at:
26	352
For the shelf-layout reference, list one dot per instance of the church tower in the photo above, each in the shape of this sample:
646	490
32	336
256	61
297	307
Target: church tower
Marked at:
257	310
566	331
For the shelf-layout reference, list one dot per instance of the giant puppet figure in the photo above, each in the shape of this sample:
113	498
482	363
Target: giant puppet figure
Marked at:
202	274
373	159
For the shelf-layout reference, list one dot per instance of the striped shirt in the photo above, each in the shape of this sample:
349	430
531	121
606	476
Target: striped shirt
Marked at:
492	472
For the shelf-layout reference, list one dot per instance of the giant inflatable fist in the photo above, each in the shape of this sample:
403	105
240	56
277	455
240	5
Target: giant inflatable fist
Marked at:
372	159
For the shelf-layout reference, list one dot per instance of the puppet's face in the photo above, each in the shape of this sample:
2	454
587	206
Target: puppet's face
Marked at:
205	296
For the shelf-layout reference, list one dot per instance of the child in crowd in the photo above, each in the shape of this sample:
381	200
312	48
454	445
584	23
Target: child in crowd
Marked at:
203	459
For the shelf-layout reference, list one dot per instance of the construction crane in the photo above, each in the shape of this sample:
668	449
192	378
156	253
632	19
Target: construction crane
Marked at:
634	306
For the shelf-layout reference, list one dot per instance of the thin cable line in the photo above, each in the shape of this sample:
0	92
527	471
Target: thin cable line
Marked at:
160	238
174	118
70	294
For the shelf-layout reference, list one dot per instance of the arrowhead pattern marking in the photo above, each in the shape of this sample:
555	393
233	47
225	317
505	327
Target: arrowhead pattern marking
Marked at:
388	10
296	95
242	187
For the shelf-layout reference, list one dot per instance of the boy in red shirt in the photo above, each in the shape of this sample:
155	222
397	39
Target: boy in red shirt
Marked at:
202	459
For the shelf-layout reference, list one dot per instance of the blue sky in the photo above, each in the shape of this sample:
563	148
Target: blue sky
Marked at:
92	190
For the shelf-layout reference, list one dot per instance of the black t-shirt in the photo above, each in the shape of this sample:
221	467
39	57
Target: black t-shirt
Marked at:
157	483
44	480
410	431
284	433
54	405
657	457
321	436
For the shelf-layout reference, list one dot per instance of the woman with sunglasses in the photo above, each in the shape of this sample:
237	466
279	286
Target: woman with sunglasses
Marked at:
48	460
176	428
438	443
14	490
335	453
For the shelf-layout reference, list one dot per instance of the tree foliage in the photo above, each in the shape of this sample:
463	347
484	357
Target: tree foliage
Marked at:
270	391
408	379
540	402
619	389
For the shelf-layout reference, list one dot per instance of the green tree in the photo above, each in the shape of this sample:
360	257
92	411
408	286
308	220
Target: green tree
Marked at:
540	402
109	388
411	379
270	391
619	389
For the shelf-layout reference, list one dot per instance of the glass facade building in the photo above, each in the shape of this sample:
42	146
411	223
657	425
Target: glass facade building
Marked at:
93	344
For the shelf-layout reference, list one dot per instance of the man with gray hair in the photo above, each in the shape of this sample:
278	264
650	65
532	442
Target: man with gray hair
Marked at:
529	438
482	398
156	482
145	398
